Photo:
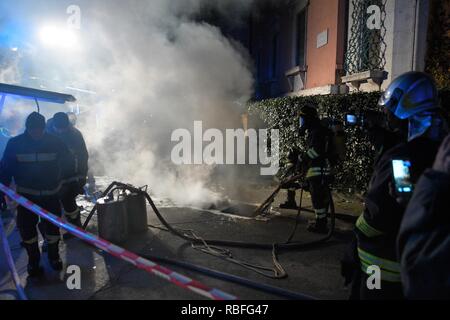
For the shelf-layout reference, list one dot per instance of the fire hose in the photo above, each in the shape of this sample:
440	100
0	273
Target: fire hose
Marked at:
9	259
268	246
118	252
232	278
224	254
196	268
288	245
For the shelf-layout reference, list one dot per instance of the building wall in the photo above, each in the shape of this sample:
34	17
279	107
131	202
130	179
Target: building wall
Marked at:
264	27
410	35
406	38
389	39
406	25
324	62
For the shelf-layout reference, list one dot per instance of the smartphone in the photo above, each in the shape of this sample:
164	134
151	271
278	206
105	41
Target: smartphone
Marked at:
351	119
402	176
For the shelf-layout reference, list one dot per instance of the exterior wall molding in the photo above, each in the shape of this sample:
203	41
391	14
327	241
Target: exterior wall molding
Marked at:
296	78
325	90
374	79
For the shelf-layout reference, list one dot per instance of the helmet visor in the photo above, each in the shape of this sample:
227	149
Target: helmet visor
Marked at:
390	99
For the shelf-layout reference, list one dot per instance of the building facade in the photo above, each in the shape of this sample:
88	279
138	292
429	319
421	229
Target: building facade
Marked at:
303	47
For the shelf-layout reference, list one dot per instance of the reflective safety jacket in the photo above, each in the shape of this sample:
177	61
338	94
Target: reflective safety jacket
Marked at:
424	239
317	142
377	228
39	168
74	140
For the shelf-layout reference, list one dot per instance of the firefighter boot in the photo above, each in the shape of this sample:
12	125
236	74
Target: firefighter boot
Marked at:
53	256
290	202
319	226
34	257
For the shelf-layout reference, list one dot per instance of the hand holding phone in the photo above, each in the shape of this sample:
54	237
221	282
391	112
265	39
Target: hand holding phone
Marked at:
403	185
351	119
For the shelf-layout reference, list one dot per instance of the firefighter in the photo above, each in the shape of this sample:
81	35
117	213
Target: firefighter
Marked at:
424	238
38	163
411	96
62	128
388	135
316	165
291	170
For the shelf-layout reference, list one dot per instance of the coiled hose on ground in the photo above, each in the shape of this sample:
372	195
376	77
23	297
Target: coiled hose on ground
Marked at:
288	245
225	243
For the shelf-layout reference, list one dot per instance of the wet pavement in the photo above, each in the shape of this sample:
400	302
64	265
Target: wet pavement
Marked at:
314	272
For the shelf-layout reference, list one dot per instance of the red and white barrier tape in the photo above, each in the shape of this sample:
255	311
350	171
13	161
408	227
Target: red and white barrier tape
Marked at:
116	251
10	262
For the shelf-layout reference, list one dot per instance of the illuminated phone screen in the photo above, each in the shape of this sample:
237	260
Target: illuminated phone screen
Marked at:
402	176
351	119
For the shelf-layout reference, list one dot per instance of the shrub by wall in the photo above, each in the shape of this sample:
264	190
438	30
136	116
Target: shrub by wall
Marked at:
282	113
354	173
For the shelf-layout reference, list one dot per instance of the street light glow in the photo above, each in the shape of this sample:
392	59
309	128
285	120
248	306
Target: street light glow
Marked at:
53	36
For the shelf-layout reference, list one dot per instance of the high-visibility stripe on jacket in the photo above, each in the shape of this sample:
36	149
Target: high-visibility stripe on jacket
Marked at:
38	193
317	162
321	213
377	229
318	171
31	241
373	255
312	153
366	228
36	157
387	267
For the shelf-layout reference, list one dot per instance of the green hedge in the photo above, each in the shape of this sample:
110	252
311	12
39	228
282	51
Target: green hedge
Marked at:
438	43
282	113
354	173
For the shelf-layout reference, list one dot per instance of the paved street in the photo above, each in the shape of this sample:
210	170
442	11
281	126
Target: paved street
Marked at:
313	272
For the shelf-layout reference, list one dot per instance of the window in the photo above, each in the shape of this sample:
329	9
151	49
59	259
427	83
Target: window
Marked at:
258	66
273	73
300	57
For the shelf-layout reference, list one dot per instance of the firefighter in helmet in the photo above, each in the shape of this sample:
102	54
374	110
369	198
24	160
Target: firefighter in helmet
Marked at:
315	164
413	97
62	128
39	164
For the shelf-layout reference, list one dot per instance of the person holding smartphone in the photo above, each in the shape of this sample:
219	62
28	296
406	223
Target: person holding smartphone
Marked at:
424	238
413	97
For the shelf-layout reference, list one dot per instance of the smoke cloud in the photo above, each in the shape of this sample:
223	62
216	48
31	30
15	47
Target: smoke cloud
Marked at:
154	67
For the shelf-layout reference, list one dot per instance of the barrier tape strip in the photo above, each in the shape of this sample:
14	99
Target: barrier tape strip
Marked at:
121	253
10	261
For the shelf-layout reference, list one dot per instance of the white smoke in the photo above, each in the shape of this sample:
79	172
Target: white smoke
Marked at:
154	69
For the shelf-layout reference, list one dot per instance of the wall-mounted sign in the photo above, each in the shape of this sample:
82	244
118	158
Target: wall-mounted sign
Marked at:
322	39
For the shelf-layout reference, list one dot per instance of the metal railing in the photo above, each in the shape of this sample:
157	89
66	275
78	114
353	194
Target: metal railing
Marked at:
366	46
